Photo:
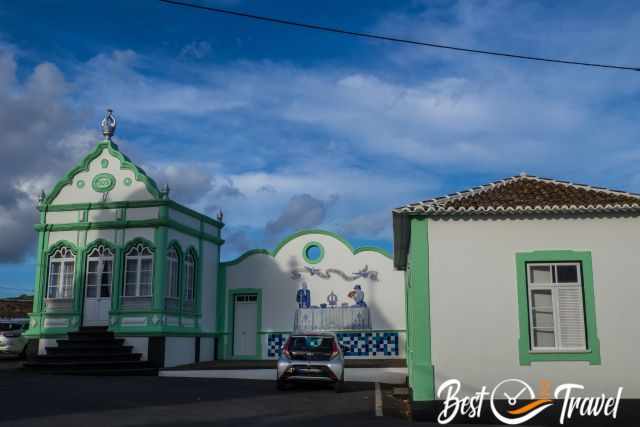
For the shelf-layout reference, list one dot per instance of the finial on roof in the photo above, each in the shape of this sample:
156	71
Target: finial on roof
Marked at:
42	197
108	125
220	215
523	174
165	191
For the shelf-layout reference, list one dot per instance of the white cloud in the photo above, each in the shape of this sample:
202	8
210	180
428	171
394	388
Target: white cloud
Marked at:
247	136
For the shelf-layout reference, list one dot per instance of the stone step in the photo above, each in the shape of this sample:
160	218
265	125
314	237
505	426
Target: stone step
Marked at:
77	357
92	349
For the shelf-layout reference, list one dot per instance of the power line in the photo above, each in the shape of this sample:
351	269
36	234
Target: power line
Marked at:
394	39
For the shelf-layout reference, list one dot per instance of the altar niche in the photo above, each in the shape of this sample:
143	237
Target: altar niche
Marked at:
313	281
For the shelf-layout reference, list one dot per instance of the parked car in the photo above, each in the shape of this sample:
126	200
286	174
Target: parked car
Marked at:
311	357
12	339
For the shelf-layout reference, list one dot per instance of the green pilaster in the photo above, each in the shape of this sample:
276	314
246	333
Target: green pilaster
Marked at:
78	285
221	295
421	375
41	267
200	259
117	279
160	261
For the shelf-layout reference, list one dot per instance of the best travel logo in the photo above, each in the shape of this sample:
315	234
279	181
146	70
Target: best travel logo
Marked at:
522	404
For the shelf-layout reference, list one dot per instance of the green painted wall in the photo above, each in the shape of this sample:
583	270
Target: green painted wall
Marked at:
419	362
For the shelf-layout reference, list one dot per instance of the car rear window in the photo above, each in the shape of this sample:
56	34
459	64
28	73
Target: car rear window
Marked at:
11	326
311	344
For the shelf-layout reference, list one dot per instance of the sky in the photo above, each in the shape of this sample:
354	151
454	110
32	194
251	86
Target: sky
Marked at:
284	128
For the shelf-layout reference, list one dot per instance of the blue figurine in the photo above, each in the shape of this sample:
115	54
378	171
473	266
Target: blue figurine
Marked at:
303	296
358	296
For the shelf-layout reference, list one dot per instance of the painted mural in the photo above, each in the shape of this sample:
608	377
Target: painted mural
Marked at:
315	281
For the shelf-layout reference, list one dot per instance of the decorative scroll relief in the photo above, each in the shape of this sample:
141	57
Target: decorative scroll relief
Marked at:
364	273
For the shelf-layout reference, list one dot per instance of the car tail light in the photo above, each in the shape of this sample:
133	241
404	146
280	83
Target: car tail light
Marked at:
285	348
335	350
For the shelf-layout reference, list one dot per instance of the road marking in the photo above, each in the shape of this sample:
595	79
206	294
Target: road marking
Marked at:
378	395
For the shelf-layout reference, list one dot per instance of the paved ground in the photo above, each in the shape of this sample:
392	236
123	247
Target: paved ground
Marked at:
34	400
395	376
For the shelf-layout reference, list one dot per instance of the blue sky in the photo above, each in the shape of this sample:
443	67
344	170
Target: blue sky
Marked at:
285	128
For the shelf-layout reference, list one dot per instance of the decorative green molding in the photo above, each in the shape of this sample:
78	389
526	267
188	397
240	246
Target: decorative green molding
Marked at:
419	361
592	355
139	240
60	244
83	166
247	255
306	256
100	241
103	182
303	233
103	225
231	299
132	204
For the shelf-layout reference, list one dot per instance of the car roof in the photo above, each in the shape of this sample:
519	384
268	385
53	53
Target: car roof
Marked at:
314	334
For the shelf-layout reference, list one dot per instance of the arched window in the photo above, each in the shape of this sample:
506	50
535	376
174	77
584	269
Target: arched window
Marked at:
61	272
190	273
99	272
173	266
138	271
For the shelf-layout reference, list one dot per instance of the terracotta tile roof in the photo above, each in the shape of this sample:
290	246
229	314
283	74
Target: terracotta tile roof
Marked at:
527	194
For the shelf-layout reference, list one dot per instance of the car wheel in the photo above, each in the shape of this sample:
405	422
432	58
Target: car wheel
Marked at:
23	353
339	385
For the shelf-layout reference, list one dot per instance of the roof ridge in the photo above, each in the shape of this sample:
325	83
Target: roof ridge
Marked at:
439	203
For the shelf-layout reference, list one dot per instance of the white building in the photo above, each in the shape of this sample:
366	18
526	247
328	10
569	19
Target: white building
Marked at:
121	264
525	278
263	285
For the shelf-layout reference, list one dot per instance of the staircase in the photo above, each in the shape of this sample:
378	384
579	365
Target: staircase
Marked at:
90	351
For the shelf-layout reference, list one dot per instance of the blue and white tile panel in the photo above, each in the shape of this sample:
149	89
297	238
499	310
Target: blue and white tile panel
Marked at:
357	344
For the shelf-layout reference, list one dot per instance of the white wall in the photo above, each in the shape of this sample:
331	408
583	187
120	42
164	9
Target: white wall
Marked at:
385	297
179	351
71	193
140	345
474	308
207	349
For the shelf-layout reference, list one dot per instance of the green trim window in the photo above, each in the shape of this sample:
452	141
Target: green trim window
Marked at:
173	272
313	252
556	307
61	274
190	277
138	271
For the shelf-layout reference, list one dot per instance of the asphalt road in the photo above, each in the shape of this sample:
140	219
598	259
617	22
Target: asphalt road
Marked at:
28	399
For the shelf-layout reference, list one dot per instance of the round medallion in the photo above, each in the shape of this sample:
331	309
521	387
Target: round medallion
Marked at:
80	183
104	163
127	181
313	252
103	182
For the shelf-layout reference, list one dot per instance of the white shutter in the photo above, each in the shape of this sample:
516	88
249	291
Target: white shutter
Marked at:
571	317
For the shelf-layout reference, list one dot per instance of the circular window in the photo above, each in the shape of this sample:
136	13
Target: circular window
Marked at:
313	252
